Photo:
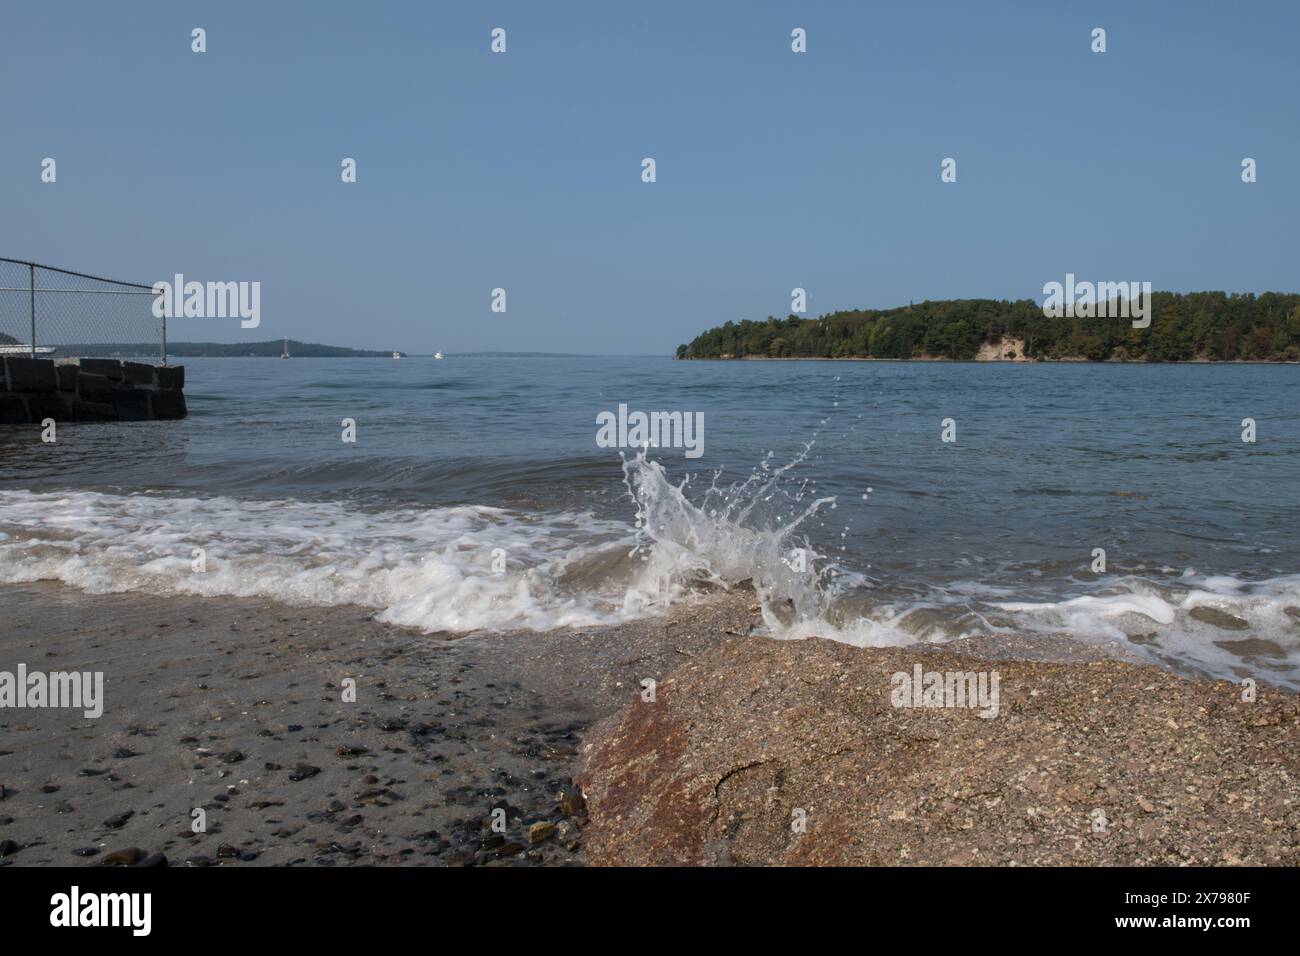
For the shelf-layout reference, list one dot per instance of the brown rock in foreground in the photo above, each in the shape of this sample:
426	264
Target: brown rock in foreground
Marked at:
1085	763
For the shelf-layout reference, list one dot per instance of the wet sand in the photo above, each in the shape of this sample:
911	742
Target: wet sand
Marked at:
236	707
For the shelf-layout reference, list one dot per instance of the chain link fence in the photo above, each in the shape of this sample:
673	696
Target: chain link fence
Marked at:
55	313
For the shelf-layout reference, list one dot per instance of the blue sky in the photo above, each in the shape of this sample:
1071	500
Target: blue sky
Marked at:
522	170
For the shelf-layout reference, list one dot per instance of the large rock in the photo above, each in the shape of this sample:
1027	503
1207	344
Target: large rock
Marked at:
1098	763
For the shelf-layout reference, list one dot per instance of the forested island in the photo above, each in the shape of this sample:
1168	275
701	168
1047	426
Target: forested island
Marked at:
1197	326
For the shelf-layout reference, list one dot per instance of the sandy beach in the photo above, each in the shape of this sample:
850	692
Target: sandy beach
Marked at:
236	707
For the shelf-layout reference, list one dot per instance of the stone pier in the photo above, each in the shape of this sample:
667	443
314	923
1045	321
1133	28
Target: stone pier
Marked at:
88	390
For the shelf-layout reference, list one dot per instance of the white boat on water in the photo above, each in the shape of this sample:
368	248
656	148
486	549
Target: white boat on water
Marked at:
437	355
20	349
397	355
284	354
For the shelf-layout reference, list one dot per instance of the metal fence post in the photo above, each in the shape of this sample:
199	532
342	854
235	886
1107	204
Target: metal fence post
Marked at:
32	272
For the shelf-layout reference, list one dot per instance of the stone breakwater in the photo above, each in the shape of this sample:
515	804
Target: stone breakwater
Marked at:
88	390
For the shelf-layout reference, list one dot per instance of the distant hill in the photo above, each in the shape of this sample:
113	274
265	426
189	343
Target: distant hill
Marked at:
271	349
1196	326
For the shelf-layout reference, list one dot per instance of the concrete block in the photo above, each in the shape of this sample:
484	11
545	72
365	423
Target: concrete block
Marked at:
13	409
168	403
93	412
67	373
43	405
170	376
94	388
131	405
30	375
110	368
137	373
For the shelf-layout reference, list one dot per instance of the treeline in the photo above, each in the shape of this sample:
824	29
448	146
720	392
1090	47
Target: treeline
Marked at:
1210	326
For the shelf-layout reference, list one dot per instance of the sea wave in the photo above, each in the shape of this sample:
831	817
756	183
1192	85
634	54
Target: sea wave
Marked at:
468	568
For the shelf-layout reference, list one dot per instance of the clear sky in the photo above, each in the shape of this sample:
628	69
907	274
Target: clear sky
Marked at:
522	170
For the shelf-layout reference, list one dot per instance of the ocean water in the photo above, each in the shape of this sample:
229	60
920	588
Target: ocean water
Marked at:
476	497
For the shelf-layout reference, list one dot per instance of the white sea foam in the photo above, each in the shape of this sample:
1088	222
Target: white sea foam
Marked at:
432	568
428	568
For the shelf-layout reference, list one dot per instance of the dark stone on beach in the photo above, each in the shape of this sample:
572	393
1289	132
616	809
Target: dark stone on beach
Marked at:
461	856
248	856
352	821
392	723
230	756
121	753
303	771
574	803
128	857
153	859
89	772
198	861
1220	619
541	832
8	848
227	852
272	766
49	788
86	851
510	849
350	751
294	728
119	821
